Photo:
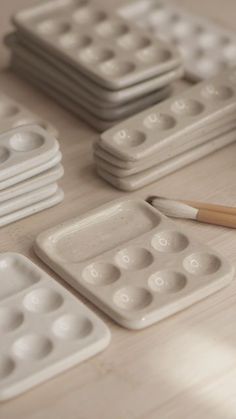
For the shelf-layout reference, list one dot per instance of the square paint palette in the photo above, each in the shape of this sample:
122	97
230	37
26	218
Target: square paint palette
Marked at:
132	262
44	329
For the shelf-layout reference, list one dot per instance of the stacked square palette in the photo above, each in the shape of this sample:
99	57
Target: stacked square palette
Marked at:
170	135
207	48
92	61
29	171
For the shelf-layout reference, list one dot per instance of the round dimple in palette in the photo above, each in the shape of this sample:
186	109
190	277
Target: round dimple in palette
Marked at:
101	274
45	329
112	29
53	27
202	264
32	347
72	40
145	270
167	282
96	55
160	121
72	327
132	298
129	138
133	41
189	107
26	141
170	242
134	258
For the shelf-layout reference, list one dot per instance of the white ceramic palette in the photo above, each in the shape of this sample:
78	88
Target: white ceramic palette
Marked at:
23	148
32	209
28	198
60	82
28	174
108	49
132	262
13	114
48	177
154	173
206	47
22	48
122	168
44	329
147	132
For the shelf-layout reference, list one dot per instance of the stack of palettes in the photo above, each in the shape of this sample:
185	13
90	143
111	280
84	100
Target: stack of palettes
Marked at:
170	135
29	163
95	63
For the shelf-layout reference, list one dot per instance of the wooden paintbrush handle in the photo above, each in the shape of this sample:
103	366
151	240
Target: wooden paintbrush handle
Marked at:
211	207
216	218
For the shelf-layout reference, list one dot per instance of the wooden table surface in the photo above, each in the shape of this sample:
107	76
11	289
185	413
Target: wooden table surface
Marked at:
183	367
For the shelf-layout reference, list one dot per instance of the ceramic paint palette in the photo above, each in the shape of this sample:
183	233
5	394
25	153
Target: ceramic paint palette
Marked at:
206	47
150	131
108	49
28	53
32	209
28	174
60	82
145	177
44	329
33	183
29	171
13	114
122	168
132	262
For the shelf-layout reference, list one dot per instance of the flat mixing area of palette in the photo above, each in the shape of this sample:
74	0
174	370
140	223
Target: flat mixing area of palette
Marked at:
132	262
44	329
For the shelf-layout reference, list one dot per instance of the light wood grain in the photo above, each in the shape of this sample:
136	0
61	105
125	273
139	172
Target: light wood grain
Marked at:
183	367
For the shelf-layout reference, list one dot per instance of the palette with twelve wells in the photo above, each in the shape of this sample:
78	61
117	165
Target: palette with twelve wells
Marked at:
169	135
207	47
92	60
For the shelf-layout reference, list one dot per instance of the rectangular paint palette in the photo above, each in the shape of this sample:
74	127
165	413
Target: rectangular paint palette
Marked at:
150	131
200	137
44	329
206	47
23	148
105	47
132	262
155	173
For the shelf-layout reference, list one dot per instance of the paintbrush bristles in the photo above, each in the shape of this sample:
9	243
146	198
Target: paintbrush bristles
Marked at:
173	208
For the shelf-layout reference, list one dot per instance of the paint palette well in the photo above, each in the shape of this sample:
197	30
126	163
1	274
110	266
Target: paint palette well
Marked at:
132	262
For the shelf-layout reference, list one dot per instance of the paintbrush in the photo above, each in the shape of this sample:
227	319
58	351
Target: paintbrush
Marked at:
199	211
